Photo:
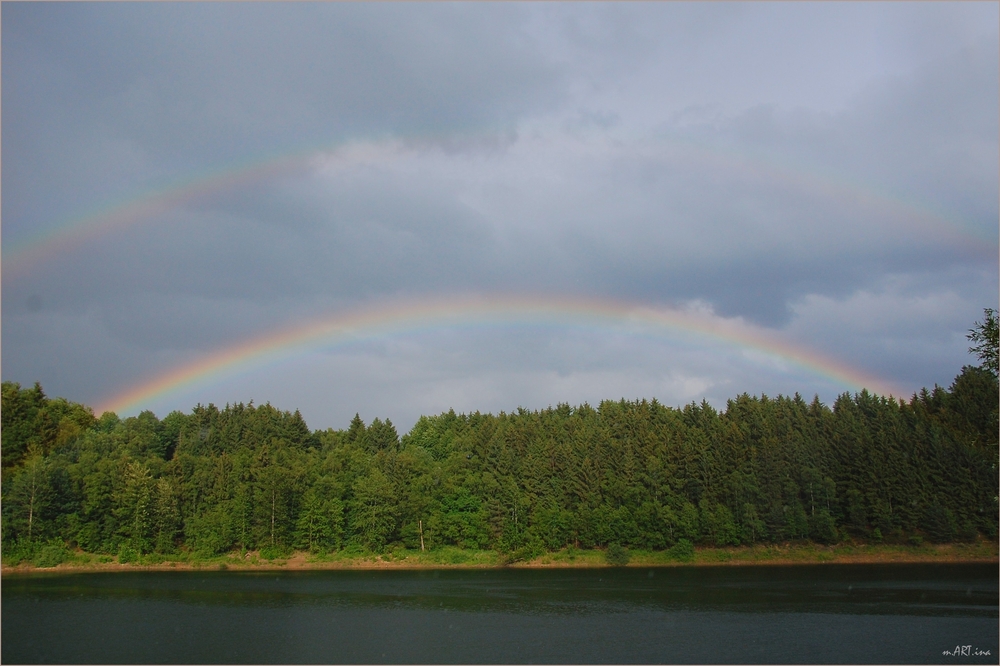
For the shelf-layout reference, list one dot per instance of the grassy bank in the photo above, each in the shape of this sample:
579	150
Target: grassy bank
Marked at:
809	553
451	557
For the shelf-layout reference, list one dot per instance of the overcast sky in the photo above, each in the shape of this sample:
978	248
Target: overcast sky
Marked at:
826	174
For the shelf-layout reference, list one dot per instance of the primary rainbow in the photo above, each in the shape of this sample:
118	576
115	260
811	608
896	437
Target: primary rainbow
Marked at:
412	316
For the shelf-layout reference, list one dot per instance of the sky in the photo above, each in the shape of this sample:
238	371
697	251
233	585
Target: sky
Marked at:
397	209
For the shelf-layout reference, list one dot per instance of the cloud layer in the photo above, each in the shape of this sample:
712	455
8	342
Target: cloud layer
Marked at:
826	172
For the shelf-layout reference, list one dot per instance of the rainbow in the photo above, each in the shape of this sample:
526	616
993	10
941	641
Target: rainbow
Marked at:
415	315
907	217
19	257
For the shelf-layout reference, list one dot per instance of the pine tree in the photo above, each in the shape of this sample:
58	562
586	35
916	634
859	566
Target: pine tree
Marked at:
986	335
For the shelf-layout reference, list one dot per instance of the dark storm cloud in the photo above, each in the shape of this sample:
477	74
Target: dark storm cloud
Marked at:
775	163
107	98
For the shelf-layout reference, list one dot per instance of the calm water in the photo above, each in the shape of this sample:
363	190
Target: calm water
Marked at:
810	614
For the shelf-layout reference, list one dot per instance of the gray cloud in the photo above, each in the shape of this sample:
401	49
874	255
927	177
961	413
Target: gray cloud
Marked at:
800	167
141	93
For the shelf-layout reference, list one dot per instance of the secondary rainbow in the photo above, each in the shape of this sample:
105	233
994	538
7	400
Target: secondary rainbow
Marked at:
910	217
71	233
411	316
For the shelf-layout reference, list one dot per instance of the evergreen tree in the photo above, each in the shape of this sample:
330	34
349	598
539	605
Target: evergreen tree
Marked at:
373	510
632	473
134	507
986	336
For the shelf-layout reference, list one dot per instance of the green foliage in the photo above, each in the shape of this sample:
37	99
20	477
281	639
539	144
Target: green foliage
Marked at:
373	510
128	554
527	552
822	527
381	436
940	524
134	506
320	525
796	521
51	554
165	516
462	521
274	552
719	523
986	336
682	551
688	523
632	475
754	528
30	420
616	555
970	408
449	555
210	533
16	551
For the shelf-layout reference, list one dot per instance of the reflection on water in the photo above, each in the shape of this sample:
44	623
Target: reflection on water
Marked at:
831	613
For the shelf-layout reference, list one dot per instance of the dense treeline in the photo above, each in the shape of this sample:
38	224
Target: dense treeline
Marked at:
636	474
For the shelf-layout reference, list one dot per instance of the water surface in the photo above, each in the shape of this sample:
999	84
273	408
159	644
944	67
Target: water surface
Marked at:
763	614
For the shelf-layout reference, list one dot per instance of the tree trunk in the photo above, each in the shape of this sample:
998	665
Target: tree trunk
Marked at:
31	509
31	499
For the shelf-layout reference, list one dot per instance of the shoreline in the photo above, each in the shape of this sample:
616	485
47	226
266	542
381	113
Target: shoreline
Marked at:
788	555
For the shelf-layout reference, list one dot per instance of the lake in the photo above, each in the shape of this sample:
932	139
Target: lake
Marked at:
892	613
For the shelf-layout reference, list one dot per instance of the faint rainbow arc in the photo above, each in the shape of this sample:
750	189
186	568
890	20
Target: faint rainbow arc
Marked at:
367	323
23	254
168	197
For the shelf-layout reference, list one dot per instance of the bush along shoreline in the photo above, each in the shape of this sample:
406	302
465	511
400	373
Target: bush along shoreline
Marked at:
614	482
58	559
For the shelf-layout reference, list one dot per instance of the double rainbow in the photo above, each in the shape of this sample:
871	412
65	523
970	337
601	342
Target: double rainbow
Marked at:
401	318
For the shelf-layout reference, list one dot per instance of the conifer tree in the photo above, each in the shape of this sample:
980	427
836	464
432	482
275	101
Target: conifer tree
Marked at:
986	336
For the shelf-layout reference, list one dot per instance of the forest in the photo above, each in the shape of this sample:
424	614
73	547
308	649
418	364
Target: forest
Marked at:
623	474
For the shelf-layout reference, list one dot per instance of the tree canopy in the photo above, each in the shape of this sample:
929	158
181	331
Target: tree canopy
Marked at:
632	474
986	337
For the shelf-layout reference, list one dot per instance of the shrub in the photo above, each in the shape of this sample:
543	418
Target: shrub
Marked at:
967	533
682	551
449	555
17	551
127	554
274	552
152	558
51	554
722	526
616	555
940	524
527	552
822	527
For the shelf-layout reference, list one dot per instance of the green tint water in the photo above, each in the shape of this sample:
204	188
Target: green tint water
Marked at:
801	614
